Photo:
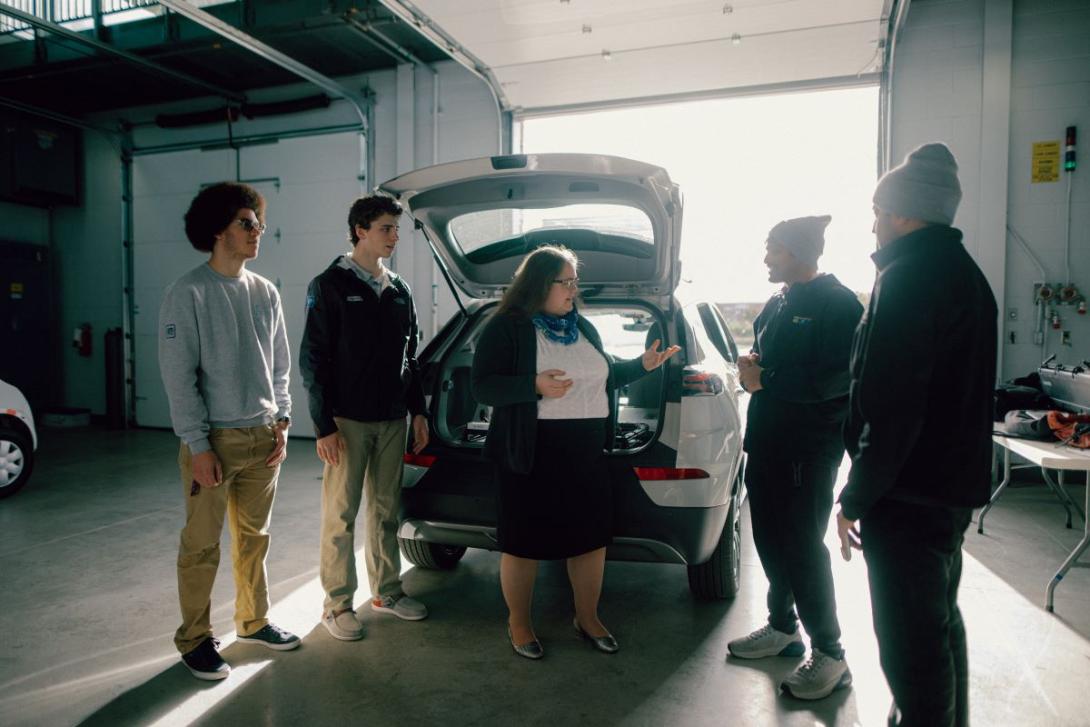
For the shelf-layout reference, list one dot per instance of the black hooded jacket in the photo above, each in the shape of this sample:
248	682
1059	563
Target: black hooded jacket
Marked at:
923	370
358	356
804	338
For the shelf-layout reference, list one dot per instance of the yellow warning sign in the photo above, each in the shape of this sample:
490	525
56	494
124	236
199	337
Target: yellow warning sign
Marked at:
1046	161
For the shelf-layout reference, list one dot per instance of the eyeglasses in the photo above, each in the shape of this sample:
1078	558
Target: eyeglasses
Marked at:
569	283
249	225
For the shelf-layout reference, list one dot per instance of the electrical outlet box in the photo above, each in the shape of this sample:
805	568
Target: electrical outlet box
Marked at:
1065	338
1012	314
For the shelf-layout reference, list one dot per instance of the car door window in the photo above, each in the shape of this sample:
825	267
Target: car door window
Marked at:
716	333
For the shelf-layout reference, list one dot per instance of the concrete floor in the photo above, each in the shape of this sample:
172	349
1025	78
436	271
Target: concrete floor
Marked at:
88	606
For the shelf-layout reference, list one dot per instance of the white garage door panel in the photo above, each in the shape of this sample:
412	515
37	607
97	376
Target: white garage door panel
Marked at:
160	217
814	54
311	159
546	54
317	178
294	298
180	172
152	408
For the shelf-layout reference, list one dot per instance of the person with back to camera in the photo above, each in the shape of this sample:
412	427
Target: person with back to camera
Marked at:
542	368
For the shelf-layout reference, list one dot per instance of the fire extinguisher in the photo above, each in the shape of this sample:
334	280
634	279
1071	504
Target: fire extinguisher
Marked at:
81	339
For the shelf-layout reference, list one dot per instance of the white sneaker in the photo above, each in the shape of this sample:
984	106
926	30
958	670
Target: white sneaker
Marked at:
818	677
767	641
344	626
402	606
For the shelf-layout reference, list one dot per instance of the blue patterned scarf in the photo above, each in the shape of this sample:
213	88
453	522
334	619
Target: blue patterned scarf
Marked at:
559	329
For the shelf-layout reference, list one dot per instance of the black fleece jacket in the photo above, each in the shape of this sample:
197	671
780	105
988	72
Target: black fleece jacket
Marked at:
919	424
358	356
503	375
804	339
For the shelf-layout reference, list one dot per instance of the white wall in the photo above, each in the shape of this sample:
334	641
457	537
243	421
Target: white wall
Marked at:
989	78
88	239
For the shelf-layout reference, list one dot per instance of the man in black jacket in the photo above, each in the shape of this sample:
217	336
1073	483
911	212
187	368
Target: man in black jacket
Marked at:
797	375
358	361
919	434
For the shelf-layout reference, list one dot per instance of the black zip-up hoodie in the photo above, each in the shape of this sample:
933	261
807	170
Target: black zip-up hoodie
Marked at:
804	338
358	356
919	425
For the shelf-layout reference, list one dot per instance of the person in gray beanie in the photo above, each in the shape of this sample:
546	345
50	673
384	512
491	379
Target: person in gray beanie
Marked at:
919	435
797	374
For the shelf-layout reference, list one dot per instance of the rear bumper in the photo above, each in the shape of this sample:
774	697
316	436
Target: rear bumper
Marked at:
688	536
453	503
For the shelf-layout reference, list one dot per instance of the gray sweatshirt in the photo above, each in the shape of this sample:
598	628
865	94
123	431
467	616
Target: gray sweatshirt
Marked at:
223	354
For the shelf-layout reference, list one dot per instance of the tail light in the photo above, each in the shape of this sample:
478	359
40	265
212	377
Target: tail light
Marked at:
695	382
670	473
420	460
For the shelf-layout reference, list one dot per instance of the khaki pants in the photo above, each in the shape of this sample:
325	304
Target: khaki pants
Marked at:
371	466
246	496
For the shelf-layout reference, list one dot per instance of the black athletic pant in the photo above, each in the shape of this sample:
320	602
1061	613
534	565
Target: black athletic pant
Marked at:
789	505
913	555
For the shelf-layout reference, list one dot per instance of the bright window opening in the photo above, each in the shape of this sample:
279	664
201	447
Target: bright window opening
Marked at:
477	229
743	165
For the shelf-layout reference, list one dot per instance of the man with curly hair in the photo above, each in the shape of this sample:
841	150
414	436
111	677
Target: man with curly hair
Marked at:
223	356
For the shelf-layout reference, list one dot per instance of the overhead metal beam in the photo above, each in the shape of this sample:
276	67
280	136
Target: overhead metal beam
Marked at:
63	32
55	116
255	46
384	43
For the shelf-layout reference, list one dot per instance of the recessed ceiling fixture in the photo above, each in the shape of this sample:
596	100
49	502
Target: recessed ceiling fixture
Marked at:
606	55
587	29
728	9
736	39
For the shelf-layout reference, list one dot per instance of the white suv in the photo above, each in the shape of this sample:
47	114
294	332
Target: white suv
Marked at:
18	440
677	457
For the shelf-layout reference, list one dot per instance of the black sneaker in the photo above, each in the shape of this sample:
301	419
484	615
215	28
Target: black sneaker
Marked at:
205	662
273	637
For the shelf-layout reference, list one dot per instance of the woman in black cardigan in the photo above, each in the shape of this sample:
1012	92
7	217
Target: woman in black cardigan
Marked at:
541	366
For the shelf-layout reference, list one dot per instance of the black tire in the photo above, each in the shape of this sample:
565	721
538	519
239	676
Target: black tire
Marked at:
718	578
16	461
431	555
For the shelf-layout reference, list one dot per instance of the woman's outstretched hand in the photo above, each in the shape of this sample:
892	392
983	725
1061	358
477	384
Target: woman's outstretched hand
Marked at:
653	357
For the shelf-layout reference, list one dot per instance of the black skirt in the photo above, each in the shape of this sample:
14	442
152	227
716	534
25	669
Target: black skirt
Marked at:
563	506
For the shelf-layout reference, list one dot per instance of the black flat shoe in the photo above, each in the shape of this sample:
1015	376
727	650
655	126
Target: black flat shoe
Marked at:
605	644
531	650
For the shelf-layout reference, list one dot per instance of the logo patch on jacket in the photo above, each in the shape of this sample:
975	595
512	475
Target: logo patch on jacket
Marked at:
354	299
310	301
801	320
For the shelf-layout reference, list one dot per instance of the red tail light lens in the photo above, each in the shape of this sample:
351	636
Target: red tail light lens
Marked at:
670	473
700	383
420	460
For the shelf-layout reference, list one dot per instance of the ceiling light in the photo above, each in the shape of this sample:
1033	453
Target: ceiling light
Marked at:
587	29
736	39
728	9
606	55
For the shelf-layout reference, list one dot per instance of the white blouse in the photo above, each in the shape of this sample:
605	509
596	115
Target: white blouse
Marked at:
588	370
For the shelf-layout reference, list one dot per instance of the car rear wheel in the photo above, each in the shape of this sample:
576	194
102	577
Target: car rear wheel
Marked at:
718	578
16	461
431	555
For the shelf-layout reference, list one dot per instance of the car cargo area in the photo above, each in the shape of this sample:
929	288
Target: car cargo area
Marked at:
626	331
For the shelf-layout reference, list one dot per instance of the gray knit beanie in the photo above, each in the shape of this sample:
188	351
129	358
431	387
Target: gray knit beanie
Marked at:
924	187
803	237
